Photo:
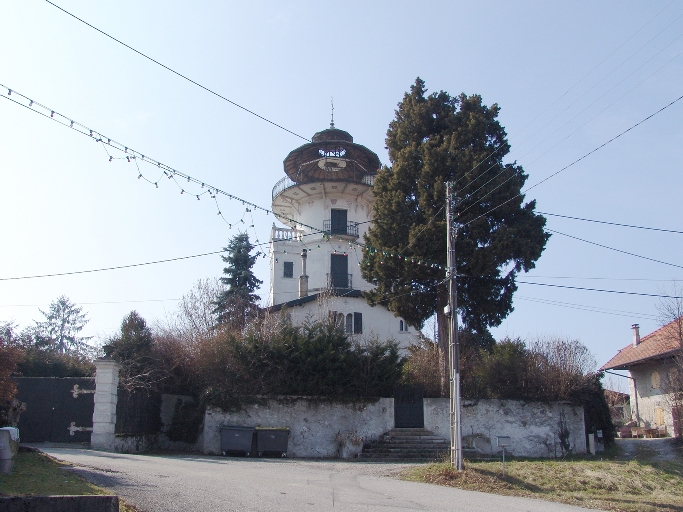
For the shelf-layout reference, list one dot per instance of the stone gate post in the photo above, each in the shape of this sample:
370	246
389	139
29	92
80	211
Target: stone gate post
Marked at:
104	415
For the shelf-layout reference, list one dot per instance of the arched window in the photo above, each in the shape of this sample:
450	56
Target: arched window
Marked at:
349	324
400	326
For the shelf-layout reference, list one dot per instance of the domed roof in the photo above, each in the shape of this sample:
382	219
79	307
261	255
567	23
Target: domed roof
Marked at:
331	156
332	134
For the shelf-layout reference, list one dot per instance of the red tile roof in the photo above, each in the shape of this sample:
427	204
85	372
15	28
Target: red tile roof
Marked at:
660	343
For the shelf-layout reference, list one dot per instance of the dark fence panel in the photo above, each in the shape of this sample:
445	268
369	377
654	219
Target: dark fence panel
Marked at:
58	410
138	412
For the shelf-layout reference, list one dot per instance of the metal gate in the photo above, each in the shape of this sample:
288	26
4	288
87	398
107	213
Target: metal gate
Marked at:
408	407
58	410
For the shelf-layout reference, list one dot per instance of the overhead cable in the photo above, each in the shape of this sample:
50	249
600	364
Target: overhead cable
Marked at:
614	249
603	291
577	160
177	73
611	223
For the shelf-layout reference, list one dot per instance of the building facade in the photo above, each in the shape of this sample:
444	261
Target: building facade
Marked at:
325	203
654	366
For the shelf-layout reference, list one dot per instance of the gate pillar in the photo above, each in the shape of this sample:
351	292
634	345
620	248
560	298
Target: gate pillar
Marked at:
106	397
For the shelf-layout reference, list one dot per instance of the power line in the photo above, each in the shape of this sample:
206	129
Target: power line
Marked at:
577	99
575	161
600	290
611	223
89	303
602	278
110	268
177	73
617	250
583	307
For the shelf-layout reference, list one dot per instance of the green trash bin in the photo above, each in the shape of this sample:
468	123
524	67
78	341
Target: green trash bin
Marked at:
272	441
236	440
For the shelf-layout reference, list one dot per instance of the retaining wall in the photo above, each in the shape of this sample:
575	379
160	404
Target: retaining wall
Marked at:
318	427
533	427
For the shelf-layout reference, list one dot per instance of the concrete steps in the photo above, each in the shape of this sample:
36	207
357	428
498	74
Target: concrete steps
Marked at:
407	445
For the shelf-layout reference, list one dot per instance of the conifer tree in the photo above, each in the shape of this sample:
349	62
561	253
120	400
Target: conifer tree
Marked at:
434	139
238	304
63	321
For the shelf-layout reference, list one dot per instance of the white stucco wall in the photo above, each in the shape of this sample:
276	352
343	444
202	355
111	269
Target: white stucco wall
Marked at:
532	426
650	398
318	428
378	322
322	428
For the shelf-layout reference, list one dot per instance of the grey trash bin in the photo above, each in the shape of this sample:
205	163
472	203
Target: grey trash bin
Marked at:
272	441
8	447
236	440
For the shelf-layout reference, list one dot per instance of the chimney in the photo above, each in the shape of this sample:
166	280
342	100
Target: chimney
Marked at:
636	334
303	278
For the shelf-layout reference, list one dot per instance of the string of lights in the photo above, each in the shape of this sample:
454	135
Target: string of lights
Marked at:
132	155
177	73
172	174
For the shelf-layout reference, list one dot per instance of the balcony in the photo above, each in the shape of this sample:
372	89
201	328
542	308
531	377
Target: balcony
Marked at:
350	230
339	282
286	183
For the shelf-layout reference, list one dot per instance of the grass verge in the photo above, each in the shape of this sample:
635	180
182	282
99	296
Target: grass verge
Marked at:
37	474
628	486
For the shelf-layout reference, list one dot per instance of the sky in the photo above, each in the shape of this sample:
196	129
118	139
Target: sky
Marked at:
567	76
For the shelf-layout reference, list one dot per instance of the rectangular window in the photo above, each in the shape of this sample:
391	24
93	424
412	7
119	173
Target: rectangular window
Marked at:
358	323
289	269
338	222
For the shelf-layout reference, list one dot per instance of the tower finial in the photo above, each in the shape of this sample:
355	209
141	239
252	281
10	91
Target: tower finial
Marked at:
332	122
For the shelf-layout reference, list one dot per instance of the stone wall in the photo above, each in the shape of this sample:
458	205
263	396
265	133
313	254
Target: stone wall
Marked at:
322	428
533	427
318	427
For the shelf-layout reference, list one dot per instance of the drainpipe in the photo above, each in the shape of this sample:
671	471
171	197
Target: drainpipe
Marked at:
303	278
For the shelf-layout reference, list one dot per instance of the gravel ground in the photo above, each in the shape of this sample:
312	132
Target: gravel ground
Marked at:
197	482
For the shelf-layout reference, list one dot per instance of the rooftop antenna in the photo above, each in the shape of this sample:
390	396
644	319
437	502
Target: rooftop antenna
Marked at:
332	122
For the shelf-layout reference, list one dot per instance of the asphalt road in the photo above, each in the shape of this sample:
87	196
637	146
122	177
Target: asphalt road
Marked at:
168	483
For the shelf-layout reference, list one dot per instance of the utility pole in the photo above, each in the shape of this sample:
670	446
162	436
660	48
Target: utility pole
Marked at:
453	343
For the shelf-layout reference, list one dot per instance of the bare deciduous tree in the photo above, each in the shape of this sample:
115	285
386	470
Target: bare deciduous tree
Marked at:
670	311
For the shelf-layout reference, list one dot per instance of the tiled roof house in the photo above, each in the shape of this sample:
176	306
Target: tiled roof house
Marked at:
653	363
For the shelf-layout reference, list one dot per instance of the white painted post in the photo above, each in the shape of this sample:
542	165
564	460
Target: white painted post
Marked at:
106	397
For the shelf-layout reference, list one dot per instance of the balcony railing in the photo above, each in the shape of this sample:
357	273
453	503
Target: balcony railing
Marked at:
351	229
278	234
286	183
339	282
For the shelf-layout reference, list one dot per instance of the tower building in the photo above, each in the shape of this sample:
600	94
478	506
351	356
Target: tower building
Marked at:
325	201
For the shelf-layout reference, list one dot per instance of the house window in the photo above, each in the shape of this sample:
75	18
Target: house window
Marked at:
288	269
655	380
358	323
349	324
400	328
403	326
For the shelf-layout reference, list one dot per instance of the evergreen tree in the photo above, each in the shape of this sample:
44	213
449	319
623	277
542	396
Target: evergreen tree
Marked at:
238	304
133	348
434	139
63	321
